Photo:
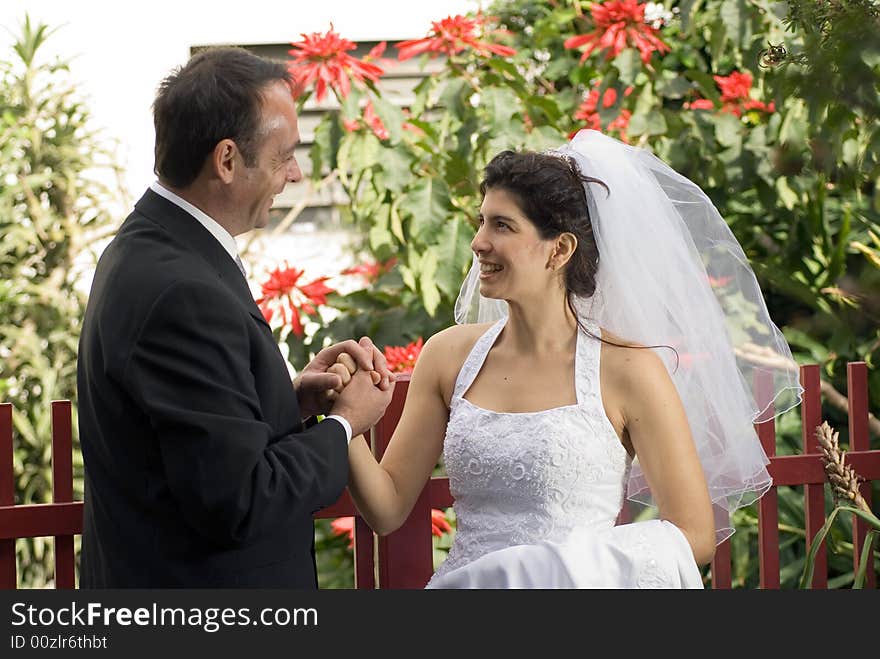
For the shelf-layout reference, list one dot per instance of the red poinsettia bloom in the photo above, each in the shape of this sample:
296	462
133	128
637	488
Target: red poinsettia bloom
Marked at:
734	87
736	97
282	292
369	119
439	523
372	270
719	282
375	56
588	112
374	122
620	124
452	35
345	525
323	60
619	24
402	359
700	104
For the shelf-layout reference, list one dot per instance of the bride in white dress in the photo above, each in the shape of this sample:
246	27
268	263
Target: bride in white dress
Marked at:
608	369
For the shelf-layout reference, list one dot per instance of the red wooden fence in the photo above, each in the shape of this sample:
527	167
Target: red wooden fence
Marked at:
404	558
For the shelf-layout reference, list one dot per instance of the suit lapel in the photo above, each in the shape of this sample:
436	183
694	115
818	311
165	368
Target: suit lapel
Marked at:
189	231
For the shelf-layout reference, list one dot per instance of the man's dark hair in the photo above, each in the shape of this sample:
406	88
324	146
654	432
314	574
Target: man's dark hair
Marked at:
215	96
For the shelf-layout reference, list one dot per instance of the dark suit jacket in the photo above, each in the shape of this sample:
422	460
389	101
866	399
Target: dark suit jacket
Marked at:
198	470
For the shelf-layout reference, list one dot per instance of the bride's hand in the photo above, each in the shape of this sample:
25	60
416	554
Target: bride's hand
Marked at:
345	367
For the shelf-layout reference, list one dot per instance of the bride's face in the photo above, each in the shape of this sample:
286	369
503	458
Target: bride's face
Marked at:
513	257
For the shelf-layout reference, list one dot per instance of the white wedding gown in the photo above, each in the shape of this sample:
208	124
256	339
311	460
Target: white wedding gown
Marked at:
537	495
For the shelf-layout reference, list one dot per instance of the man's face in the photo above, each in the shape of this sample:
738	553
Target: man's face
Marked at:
275	161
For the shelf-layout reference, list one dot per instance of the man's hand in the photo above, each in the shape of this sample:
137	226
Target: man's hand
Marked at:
361	402
316	388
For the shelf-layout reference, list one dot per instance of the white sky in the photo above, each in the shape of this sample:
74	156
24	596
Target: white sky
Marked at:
121	50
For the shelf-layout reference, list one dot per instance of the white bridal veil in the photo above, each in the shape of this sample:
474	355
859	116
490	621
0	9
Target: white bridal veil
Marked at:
671	273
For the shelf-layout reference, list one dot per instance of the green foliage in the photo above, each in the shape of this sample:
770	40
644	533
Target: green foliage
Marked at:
791	163
50	210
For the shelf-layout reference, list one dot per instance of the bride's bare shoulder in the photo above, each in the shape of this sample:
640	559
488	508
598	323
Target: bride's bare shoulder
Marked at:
455	341
622	359
445	352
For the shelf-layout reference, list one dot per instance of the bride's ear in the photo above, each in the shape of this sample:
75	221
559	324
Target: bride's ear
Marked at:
563	250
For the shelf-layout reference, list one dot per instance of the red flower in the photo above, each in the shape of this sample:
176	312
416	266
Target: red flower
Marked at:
371	271
700	104
283	293
369	119
451	36
734	87
620	124
587	110
735	96
588	113
719	282
344	526
402	359
619	23
323	59
374	122
439	524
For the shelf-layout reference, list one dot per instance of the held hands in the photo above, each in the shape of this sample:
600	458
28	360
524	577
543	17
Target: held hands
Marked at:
360	394
316	387
363	394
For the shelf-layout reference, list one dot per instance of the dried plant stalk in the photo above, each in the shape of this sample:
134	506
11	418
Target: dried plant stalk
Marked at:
843	478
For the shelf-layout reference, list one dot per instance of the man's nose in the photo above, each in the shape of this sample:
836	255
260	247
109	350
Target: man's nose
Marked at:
294	173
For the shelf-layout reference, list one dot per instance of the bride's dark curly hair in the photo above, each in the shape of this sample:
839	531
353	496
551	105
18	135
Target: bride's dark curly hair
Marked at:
550	192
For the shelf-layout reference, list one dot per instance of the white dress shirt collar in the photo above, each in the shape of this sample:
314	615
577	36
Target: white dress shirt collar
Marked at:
222	235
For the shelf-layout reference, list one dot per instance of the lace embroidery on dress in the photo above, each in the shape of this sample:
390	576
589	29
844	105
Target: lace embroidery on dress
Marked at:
529	477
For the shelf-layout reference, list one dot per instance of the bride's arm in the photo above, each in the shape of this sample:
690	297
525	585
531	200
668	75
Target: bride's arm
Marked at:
655	421
385	493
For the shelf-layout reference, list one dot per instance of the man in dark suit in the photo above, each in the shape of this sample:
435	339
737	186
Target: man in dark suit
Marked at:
202	466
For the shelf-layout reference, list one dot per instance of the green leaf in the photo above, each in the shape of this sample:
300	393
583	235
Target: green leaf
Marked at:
454	97
428	282
705	83
544	137
359	151
787	196
391	116
628	65
325	147
506	68
454	254
396	166
794	126
500	104
543	105
734	15
396	223
428	203
838	256
728	130
656	123
687	8
379	234
675	86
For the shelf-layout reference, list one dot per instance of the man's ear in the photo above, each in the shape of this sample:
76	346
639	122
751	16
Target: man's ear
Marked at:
223	160
566	244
